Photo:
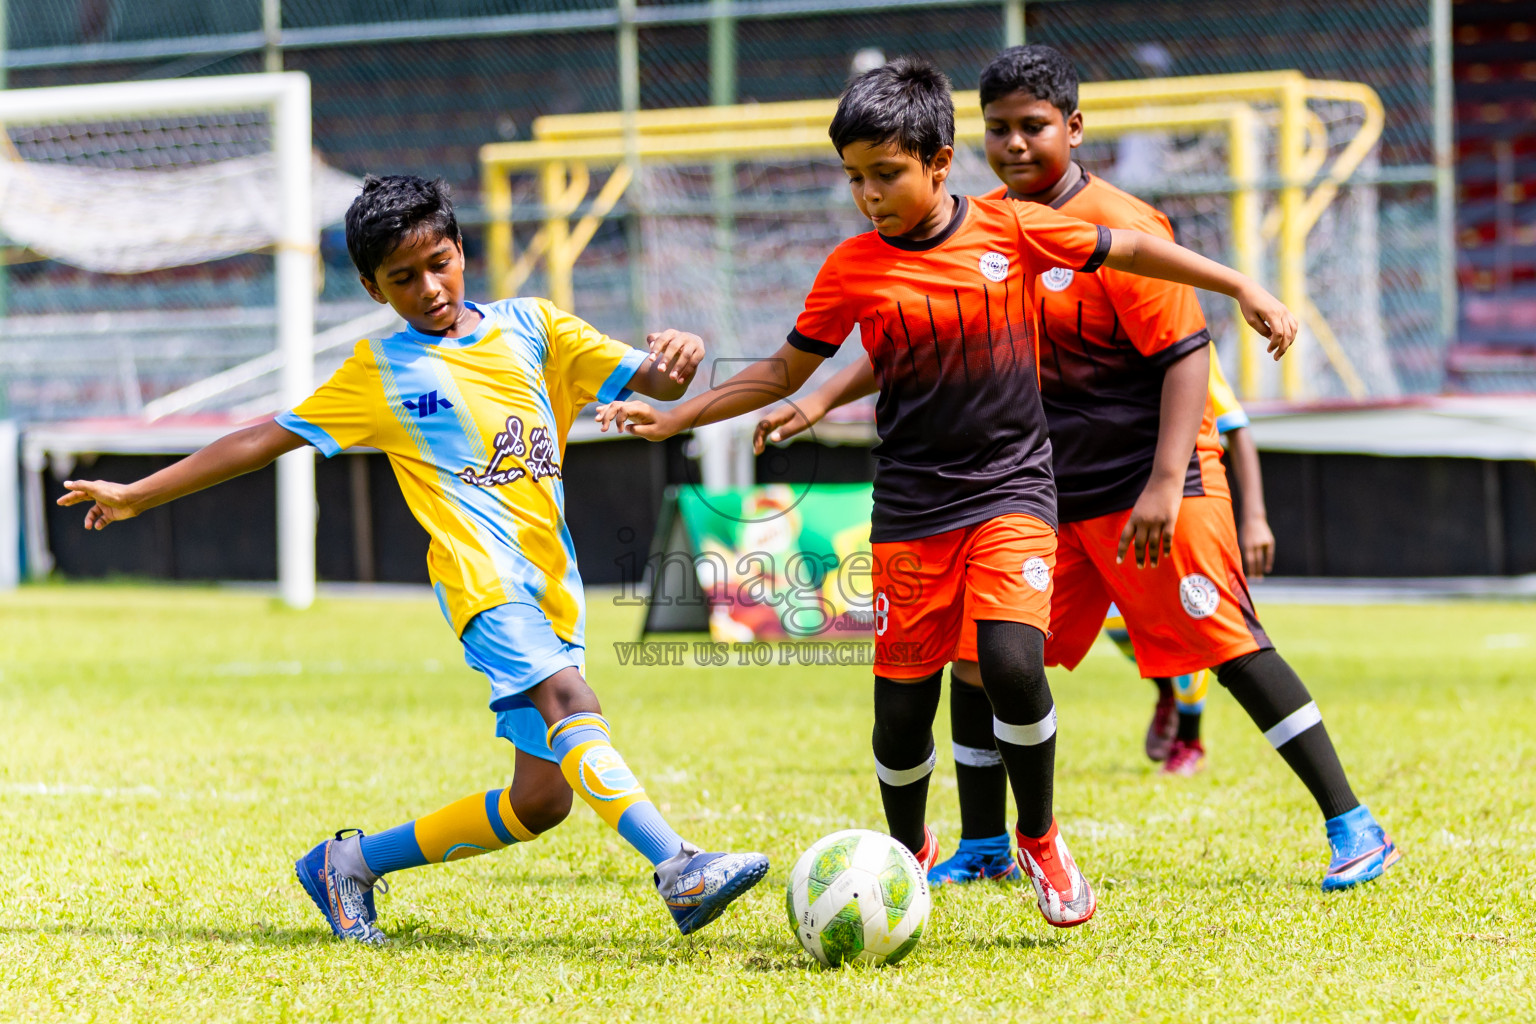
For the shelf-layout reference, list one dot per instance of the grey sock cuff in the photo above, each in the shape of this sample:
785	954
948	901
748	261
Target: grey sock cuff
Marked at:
347	856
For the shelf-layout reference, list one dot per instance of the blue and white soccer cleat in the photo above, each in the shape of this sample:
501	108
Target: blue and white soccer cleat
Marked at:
1362	850
977	860
698	886
346	904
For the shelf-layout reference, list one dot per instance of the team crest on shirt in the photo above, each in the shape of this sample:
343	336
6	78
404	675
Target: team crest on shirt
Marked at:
1037	574
994	266
1056	279
536	452
1199	596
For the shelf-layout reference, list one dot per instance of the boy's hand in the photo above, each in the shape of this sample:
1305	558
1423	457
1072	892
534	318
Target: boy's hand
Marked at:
1268	315
1257	542
112	501
778	425
1150	528
677	353
638	418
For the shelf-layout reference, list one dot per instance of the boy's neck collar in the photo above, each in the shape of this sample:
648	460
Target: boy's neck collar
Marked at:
462	341
922	245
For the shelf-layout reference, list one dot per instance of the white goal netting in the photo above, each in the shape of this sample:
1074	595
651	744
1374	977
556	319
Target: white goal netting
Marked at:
139	257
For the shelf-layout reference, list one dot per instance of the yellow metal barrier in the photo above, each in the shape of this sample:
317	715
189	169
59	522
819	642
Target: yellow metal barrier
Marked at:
566	148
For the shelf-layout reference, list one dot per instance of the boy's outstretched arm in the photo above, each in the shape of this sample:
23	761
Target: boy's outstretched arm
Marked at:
849	385
230	456
1136	252
767	380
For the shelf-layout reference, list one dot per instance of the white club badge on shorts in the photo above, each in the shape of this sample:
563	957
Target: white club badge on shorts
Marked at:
1199	596
1037	574
1056	279
994	266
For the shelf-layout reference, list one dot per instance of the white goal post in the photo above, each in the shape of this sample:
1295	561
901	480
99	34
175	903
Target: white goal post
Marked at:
285	98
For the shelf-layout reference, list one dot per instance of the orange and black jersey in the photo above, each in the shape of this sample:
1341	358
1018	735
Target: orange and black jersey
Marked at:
949	327
1106	341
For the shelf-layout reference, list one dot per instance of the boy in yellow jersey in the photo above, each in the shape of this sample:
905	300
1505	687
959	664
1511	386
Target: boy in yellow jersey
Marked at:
472	404
1173	735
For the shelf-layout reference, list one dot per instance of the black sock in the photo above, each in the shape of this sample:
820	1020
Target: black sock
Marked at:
1189	726
980	777
1164	688
904	754
1012	657
1279	704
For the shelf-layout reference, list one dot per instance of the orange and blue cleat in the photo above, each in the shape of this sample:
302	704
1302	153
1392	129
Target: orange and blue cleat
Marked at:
698	886
346	903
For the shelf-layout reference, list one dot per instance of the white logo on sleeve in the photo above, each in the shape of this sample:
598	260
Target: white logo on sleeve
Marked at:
1056	279
1199	596
1037	574
994	266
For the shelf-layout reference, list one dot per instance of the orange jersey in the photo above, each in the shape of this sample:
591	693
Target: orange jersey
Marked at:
950	329
1106	340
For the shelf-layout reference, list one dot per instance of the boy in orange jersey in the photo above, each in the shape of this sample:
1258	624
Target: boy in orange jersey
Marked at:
964	506
1124	382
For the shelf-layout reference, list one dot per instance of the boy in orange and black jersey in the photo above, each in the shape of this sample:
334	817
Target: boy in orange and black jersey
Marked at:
964	507
1124	383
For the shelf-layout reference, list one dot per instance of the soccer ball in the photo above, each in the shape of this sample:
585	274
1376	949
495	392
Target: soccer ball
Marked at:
857	896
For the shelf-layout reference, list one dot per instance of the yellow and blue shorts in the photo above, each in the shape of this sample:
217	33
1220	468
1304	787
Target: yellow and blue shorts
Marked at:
517	649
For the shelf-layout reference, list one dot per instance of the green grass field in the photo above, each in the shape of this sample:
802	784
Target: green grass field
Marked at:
169	752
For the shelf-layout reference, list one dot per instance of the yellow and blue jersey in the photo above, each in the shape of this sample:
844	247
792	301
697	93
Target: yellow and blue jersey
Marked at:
475	430
1229	414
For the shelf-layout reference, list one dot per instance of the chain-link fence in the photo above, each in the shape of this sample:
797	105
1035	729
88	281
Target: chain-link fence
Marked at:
415	86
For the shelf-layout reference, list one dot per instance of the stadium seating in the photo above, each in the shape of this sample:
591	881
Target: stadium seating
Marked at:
1495	67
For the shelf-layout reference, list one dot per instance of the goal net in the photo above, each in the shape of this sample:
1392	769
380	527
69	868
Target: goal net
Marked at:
159	234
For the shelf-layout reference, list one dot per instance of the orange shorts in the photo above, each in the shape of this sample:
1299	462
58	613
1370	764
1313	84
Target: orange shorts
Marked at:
1189	613
927	589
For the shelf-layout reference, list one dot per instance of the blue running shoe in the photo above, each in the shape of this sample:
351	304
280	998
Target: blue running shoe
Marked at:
698	886
1362	850
977	860
346	904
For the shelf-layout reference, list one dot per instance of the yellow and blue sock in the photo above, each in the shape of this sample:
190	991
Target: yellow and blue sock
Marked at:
599	776
474	825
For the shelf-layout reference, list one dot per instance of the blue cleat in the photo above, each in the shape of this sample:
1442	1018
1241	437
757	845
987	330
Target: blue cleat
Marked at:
1362	850
698	886
977	860
346	904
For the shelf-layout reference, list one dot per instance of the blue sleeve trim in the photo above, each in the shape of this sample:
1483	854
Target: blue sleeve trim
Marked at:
1227	422
615	388
292	421
1100	251
814	346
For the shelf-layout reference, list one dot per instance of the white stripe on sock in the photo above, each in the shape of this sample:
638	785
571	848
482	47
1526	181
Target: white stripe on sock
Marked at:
977	757
1026	735
906	776
1293	724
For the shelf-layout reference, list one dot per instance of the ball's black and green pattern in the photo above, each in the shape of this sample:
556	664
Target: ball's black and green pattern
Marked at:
857	895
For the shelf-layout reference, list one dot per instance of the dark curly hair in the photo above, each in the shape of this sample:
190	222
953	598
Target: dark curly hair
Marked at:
392	209
906	102
1043	72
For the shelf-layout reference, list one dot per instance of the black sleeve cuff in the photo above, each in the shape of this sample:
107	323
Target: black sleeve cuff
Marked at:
1100	251
811	345
1181	348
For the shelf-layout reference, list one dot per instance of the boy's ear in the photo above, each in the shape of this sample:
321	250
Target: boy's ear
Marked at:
372	288
941	163
1075	129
